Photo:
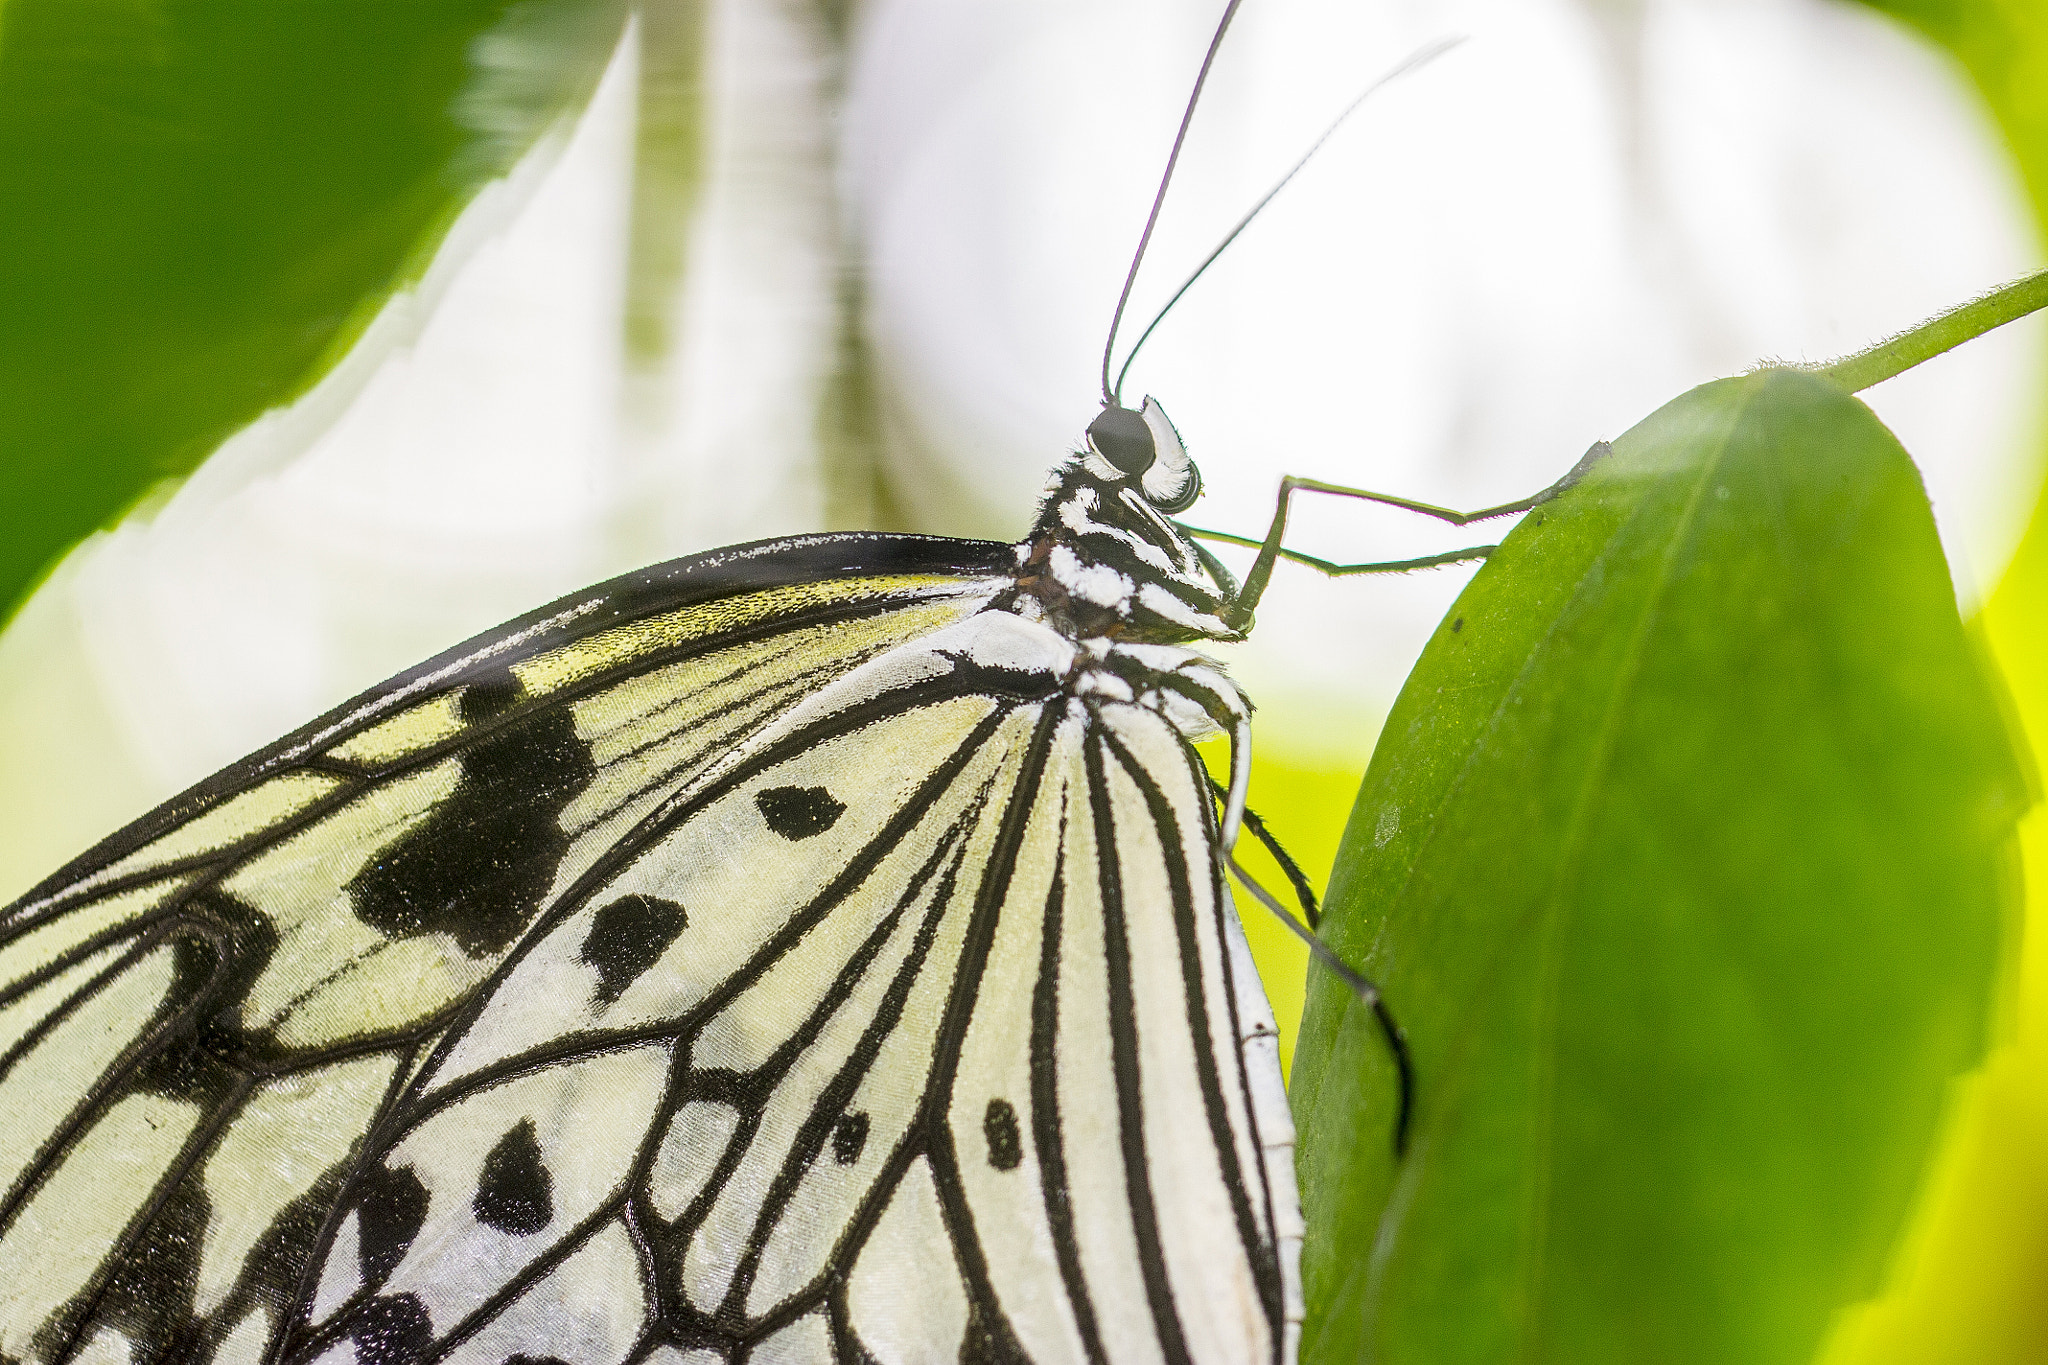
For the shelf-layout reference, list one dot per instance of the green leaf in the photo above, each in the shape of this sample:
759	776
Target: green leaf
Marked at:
1685	863
206	199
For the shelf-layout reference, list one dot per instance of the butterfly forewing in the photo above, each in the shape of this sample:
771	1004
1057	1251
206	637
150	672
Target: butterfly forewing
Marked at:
202	1019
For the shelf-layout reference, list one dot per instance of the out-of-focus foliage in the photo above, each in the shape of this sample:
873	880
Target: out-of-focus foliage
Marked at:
1685	857
2004	46
207	199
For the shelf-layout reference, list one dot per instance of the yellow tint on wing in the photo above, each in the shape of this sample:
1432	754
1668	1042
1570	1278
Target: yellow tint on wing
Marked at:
620	645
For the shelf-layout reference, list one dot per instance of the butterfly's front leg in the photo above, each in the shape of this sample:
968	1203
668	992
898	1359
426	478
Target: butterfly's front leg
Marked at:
1238	614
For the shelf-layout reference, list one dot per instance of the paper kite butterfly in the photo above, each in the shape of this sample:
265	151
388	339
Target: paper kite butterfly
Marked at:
810	951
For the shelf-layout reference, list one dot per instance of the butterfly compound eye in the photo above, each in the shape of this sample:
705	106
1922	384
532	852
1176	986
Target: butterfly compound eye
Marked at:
1124	439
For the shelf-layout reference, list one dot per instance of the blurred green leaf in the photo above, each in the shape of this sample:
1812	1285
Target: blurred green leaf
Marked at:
205	201
1685	862
2004	46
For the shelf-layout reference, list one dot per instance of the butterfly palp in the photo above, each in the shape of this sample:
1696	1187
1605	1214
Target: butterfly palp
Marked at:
1173	482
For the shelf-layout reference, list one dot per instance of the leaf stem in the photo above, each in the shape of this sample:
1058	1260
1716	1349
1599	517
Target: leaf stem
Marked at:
1943	331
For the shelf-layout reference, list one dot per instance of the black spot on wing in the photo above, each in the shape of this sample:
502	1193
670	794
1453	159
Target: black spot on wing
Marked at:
1005	1143
148	1298
515	1194
849	1138
274	1268
489	697
393	1331
194	1051
524	1359
799	812
476	868
391	1208
627	937
218	952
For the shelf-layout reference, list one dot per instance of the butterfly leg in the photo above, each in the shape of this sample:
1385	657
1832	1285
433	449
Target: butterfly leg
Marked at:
1367	993
1242	603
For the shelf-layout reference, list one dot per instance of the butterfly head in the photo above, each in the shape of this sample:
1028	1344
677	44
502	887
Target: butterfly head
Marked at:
1104	559
1144	448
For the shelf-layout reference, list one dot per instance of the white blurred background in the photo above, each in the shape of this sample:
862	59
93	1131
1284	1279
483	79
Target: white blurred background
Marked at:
885	304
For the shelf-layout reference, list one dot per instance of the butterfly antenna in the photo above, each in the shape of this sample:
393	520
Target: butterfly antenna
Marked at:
1109	395
1420	58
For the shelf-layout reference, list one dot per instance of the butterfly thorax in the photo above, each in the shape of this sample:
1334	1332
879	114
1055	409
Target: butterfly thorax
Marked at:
1103	560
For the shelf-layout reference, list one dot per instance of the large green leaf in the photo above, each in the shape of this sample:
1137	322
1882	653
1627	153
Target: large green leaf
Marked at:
205	198
1684	861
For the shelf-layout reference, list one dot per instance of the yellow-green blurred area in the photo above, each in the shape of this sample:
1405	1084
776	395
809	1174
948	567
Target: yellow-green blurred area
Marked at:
1969	1280
1972	1279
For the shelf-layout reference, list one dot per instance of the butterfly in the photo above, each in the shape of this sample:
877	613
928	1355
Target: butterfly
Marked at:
812	950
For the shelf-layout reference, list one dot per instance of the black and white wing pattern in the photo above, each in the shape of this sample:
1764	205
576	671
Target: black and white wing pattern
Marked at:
809	952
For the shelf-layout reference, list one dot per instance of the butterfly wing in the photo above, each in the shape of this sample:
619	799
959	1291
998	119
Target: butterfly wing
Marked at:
948	1047
202	1018
1119	1029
